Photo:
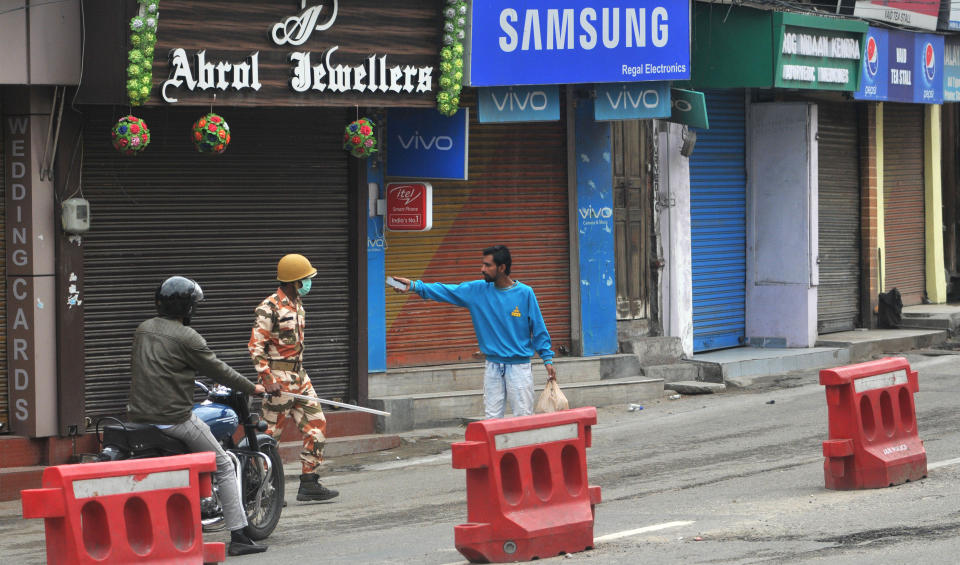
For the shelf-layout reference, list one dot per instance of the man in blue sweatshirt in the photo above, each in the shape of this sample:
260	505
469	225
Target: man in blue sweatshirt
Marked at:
509	327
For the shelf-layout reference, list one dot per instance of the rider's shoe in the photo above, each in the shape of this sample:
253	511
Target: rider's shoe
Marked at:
311	489
240	544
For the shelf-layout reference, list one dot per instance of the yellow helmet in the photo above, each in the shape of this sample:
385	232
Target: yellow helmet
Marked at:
294	267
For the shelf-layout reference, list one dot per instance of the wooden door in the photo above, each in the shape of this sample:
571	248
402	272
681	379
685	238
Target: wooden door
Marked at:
632	217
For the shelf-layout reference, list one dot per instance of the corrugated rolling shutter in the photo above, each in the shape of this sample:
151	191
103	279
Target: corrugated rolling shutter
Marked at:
838	295
903	201
225	220
4	391
516	196
718	224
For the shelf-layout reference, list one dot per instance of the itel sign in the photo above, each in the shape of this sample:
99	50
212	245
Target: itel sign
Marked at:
409	206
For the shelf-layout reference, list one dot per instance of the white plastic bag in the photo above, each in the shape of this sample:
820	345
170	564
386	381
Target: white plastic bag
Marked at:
551	399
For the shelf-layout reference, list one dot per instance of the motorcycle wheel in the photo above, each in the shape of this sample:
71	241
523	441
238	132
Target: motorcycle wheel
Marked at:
263	513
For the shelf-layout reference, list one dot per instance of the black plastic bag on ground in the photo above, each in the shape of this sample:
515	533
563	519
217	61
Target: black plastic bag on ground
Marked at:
890	309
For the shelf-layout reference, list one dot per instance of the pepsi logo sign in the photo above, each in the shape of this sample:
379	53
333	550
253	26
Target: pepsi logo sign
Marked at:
873	56
929	61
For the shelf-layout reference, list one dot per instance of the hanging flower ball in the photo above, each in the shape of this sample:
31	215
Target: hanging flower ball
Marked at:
359	138
130	135
211	134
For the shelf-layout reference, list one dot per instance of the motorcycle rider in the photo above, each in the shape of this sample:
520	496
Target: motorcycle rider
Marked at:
167	356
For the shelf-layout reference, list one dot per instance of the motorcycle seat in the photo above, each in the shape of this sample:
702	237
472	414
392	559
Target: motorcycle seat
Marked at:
138	438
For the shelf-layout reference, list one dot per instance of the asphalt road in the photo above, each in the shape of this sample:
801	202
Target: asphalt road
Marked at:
729	478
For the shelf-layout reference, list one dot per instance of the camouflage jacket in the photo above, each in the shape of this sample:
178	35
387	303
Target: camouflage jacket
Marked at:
277	333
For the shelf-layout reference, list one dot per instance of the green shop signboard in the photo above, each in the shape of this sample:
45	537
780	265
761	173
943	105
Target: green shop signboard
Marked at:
740	47
824	56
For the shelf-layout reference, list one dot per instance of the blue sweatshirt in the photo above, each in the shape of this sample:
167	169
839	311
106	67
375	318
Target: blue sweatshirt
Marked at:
508	322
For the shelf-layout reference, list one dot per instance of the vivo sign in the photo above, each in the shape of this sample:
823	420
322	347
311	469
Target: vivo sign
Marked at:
519	104
422	143
516	42
418	142
632	101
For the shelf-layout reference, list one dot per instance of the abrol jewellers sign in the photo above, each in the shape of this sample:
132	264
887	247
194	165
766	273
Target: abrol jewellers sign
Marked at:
530	42
296	52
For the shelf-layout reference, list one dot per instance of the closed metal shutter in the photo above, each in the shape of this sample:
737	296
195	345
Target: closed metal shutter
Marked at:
903	201
516	196
718	191
4	391
838	295
225	220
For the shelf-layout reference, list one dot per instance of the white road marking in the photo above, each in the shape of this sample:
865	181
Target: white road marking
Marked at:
946	463
638	531
399	464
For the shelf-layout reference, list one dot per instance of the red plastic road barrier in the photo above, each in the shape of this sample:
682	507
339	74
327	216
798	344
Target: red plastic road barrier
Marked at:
873	426
527	491
135	511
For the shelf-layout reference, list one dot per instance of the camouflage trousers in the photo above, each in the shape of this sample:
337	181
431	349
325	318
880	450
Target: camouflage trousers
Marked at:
309	418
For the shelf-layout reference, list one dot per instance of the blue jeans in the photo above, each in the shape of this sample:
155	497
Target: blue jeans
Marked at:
502	382
195	433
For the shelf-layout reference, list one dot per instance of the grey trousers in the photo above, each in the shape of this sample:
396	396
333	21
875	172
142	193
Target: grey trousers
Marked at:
196	435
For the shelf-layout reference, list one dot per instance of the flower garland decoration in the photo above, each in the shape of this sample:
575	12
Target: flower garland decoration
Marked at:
451	57
359	139
211	134
130	135
140	58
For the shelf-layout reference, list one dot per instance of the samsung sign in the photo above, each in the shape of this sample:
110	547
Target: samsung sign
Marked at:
514	42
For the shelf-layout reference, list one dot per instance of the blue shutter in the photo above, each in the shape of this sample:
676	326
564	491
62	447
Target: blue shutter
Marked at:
718	197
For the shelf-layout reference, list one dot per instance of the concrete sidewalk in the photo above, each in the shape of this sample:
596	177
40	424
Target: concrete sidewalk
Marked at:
924	326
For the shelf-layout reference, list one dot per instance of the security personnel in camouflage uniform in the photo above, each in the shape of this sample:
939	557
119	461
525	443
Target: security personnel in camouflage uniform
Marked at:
276	345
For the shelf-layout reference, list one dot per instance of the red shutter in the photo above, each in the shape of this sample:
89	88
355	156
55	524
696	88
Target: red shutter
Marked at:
516	196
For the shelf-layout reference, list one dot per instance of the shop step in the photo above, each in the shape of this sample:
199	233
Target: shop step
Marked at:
446	408
340	446
15	479
673	372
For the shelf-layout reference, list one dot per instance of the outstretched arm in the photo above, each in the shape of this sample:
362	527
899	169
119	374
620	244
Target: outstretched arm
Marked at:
455	294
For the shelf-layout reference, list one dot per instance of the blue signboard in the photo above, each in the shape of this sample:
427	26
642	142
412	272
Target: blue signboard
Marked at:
901	55
632	101
423	143
519	104
900	66
577	41
875	68
951	69
928	85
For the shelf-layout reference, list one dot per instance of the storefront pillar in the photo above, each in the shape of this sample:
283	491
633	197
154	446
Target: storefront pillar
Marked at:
871	209
376	273
936	279
30	235
598	294
674	220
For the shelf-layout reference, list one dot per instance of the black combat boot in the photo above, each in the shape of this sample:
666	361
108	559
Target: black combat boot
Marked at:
311	489
240	544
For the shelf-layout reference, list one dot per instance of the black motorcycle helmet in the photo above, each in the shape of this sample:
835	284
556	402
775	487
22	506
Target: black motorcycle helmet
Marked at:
177	297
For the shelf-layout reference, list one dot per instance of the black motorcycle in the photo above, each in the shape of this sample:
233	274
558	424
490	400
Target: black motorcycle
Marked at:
259	468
